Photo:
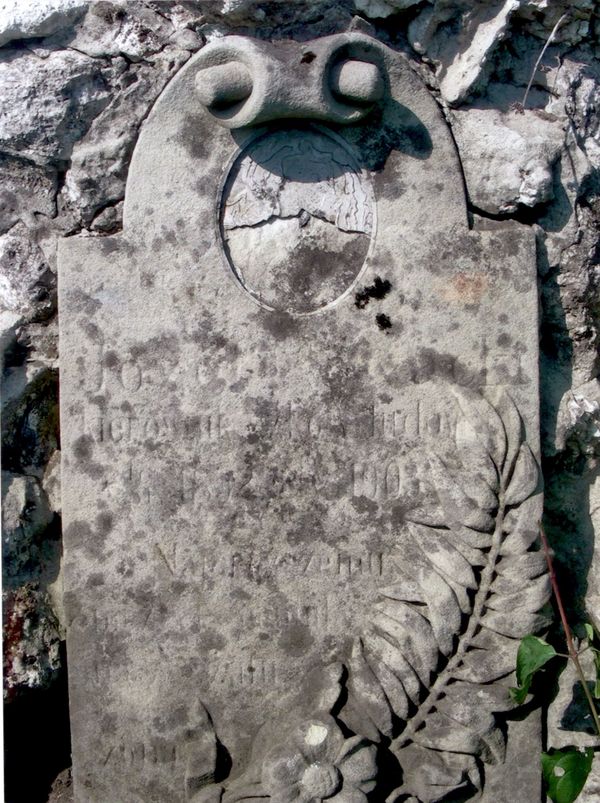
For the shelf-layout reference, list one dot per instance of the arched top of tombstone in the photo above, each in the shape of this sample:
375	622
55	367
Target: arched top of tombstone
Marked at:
349	84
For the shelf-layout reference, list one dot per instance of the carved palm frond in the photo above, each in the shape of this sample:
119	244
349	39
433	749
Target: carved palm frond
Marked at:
432	670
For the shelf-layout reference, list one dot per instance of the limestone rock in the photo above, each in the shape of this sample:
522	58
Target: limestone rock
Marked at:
40	342
25	516
48	103
508	158
29	418
120	29
27	285
23	19
62	788
100	161
541	16
578	97
31	640
51	482
9	325
26	190
383	8
474	45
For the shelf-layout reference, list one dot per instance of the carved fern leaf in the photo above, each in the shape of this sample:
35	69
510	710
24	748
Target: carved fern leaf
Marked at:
432	670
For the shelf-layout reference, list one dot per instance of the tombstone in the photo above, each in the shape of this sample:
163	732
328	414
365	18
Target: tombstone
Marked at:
299	401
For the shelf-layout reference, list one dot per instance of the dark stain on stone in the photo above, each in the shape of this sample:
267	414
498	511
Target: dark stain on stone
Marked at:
378	290
82	448
104	523
93	332
364	505
504	340
108	245
111	360
78	531
383	321
296	639
190	137
99	401
307	57
280	324
211	639
96	579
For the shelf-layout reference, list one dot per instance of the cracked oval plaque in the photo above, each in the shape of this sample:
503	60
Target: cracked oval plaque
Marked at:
300	545
297	219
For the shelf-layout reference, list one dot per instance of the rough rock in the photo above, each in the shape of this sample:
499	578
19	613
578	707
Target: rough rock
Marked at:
569	719
51	482
29	418
100	161
61	92
25	516
508	158
577	88
541	16
31	640
62	788
112	29
24	19
376	9
27	285
9	326
461	53
478	38
26	190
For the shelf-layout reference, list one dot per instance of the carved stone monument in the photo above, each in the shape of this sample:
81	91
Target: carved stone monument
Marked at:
300	437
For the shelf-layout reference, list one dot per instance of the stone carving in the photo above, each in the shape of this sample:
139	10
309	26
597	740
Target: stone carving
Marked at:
245	83
297	360
310	212
428	677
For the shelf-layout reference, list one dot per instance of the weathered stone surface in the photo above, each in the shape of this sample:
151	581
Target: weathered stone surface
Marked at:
25	515
31	640
100	160
383	8
27	285
294	357
124	29
26	190
519	152
62	91
568	222
23	19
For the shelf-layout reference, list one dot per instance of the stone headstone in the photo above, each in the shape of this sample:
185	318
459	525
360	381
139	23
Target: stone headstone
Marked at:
300	434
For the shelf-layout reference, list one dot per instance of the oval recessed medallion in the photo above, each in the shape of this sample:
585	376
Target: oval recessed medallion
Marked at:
297	219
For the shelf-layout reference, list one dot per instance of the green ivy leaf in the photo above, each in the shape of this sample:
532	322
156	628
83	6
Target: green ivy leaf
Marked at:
565	772
589	632
533	654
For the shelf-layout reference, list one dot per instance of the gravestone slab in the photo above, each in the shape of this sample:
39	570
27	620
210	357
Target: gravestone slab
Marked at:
299	403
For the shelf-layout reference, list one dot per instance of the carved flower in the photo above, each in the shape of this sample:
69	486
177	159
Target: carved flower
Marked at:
318	763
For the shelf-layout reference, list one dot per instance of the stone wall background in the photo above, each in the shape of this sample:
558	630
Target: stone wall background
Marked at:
77	79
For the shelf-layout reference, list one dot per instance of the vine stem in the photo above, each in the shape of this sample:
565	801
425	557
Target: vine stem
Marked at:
573	655
541	56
